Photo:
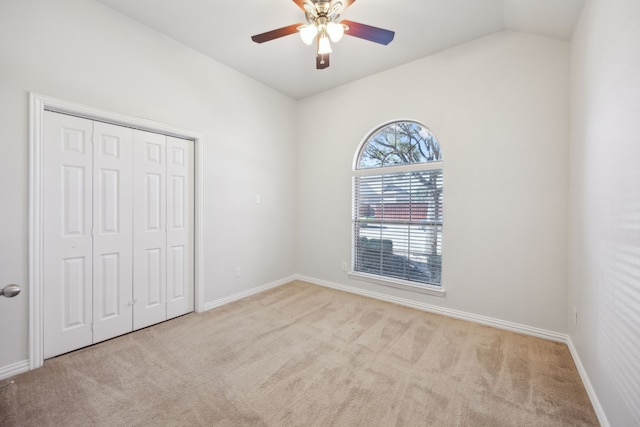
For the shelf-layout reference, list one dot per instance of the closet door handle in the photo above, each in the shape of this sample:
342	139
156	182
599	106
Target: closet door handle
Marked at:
10	291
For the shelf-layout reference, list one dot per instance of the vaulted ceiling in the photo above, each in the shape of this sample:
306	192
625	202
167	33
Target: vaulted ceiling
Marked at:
222	30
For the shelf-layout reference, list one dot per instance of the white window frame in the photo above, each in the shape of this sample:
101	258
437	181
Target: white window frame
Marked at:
374	278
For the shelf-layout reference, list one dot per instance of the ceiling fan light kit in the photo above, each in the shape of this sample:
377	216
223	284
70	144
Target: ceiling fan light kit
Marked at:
321	26
336	31
308	33
324	46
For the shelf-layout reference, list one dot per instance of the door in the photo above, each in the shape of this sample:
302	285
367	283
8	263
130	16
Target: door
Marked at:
67	241
163	223
150	239
112	230
180	230
118	230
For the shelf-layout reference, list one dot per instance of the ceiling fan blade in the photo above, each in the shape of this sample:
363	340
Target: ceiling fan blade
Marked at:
346	3
275	34
300	4
322	61
367	32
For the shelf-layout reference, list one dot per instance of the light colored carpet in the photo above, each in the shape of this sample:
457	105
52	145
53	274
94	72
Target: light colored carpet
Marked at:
303	355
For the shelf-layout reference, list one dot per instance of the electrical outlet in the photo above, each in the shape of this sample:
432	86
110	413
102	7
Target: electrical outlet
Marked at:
575	315
258	199
237	273
345	266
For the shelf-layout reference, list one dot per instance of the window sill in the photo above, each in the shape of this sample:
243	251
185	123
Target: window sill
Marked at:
397	283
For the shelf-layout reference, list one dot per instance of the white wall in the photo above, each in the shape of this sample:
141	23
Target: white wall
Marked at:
604	260
499	106
81	51
500	109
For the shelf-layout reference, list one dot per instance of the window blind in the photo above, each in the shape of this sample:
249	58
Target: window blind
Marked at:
397	225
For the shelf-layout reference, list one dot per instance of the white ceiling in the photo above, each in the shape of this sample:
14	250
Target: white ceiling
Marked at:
222	30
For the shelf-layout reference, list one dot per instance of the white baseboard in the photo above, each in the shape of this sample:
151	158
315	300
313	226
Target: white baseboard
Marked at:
476	318
235	297
597	407
14	369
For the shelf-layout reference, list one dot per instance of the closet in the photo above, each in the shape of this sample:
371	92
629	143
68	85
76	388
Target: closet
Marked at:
118	230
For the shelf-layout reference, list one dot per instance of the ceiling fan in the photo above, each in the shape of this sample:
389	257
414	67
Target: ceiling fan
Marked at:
321	25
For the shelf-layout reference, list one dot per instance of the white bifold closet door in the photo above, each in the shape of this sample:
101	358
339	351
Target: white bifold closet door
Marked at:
67	240
112	230
163	227
118	230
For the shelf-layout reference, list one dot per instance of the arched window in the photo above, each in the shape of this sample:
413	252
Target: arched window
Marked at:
397	206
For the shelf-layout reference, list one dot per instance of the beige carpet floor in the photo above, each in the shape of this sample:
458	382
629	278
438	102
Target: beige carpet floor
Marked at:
303	355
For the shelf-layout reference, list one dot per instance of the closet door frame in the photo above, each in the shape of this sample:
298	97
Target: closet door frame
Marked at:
38	103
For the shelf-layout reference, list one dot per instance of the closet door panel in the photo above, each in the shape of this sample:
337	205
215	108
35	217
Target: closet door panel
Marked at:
113	231
67	242
149	222
180	227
